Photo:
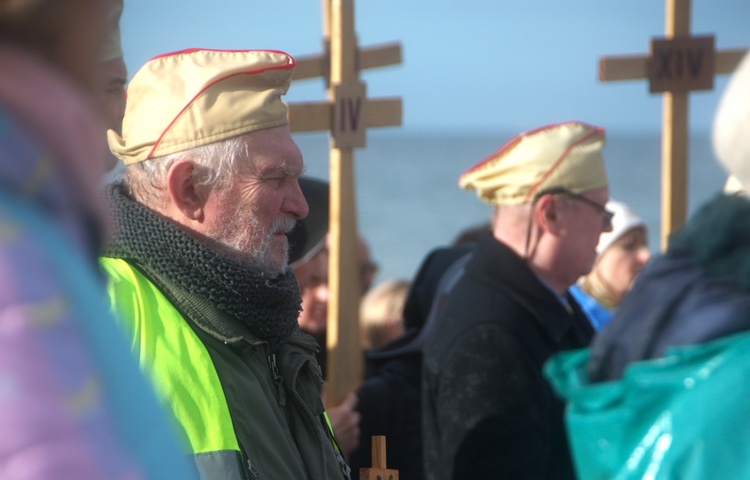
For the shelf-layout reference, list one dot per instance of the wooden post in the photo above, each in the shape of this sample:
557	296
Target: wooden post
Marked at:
344	356
378	471
677	65
346	115
674	141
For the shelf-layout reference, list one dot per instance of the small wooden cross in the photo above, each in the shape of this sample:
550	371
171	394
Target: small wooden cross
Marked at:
346	115
378	471
677	65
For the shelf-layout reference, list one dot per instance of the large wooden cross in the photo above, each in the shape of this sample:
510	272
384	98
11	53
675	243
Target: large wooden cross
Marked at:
677	65
346	115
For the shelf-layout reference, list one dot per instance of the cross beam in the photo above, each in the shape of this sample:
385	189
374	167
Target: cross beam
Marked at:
677	64
347	115
636	67
319	116
314	66
309	116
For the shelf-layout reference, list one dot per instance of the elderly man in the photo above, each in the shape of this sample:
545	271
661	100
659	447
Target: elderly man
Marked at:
488	411
198	269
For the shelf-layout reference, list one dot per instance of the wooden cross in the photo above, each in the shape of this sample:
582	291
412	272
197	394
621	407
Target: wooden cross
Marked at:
347	114
378	471
677	64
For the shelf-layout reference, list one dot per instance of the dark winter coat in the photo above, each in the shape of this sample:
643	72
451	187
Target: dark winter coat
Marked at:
390	397
389	405
488	412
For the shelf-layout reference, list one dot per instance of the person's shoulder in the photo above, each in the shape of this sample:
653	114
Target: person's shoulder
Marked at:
115	267
121	274
480	342
476	303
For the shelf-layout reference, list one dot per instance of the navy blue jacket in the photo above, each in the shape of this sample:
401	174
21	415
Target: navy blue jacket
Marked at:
697	292
673	302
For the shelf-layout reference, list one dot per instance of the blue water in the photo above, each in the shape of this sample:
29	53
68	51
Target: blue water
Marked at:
408	200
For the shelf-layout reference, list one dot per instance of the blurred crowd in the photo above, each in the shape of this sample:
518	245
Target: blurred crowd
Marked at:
172	323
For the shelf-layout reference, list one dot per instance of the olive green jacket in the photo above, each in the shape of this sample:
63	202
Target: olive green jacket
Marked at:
245	413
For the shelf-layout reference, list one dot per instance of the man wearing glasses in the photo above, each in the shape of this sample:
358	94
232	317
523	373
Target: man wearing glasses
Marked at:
488	411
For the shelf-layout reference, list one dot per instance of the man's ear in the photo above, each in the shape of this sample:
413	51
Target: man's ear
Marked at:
548	214
185	196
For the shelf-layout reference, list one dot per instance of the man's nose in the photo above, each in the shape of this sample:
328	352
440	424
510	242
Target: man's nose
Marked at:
296	204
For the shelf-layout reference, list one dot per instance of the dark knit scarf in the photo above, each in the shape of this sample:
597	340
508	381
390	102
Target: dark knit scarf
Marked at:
269	307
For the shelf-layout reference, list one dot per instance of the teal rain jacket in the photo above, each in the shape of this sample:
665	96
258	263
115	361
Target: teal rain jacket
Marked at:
683	416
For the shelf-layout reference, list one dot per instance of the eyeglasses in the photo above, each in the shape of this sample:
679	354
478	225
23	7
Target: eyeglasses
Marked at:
608	215
596	206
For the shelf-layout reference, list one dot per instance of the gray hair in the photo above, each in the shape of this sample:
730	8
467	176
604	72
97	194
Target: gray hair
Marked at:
216	163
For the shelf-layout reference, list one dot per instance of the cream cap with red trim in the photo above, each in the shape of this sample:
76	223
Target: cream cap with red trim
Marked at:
189	98
564	155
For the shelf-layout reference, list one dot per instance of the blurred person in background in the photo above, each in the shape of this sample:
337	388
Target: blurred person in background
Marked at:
111	77
679	342
308	257
390	396
73	404
381	313
368	268
621	255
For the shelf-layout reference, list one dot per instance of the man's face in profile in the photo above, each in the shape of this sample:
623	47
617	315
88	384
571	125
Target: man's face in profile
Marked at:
109	96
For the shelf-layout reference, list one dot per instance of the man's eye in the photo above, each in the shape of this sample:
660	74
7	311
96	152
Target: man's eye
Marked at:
275	181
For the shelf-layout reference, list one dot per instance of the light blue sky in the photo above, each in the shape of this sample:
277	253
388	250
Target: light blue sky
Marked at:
467	64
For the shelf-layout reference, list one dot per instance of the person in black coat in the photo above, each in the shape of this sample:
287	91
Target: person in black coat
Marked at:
390	397
488	412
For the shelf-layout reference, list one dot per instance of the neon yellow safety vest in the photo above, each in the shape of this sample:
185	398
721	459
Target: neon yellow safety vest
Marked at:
178	358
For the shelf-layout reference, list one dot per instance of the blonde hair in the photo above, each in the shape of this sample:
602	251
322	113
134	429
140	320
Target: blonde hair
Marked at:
381	313
595	286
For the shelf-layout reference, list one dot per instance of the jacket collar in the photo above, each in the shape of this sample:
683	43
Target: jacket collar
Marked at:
498	264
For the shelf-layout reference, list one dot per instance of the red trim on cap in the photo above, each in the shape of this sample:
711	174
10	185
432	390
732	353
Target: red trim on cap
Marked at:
193	50
596	131
515	140
507	146
291	64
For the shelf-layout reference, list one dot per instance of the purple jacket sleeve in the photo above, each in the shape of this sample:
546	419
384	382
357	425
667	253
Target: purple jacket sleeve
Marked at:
53	417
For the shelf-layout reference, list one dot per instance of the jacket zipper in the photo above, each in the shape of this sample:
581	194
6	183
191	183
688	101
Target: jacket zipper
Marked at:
277	378
253	471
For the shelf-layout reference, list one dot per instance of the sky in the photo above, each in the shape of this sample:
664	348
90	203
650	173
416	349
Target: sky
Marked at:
467	64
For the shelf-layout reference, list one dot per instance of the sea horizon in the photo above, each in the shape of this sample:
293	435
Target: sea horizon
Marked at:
409	202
